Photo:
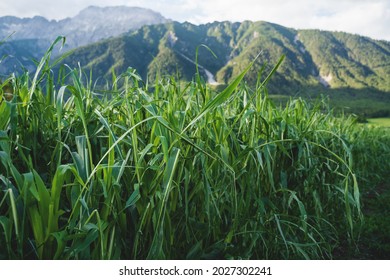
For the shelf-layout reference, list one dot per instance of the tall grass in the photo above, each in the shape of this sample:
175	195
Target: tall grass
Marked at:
167	171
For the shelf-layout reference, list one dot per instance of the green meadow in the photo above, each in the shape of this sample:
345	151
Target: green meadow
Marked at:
181	171
384	122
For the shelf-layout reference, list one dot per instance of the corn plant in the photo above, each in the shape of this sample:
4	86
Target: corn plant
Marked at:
175	171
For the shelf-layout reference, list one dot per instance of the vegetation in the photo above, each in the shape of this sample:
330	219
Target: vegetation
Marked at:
350	61
351	69
385	122
18	55
167	171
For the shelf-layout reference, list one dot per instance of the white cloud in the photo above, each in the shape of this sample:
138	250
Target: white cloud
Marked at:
370	18
366	17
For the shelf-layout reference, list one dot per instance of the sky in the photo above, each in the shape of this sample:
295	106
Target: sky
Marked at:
365	17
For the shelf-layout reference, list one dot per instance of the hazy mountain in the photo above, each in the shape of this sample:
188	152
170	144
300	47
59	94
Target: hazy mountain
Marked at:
90	25
313	58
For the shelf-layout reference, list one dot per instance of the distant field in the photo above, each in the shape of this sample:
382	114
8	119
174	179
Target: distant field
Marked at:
384	122
362	103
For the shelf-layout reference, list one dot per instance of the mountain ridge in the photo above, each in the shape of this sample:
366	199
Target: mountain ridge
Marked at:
313	57
349	68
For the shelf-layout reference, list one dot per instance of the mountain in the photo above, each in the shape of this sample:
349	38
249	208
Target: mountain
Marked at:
25	38
19	54
352	70
313	58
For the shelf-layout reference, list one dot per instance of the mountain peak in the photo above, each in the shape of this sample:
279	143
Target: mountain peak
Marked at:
90	25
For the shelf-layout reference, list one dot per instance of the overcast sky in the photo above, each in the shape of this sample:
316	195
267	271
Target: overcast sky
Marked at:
366	17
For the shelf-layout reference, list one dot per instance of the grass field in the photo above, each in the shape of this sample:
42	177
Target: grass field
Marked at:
384	122
166	171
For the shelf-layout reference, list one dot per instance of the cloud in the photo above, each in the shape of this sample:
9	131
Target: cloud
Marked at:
371	19
366	17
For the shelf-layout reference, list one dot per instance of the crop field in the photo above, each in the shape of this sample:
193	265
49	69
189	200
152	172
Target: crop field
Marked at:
385	122
166	171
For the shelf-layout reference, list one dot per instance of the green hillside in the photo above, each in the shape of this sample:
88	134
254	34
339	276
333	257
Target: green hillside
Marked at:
349	60
313	57
352	70
15	55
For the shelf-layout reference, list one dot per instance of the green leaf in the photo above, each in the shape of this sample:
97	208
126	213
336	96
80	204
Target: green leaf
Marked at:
220	98
135	196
